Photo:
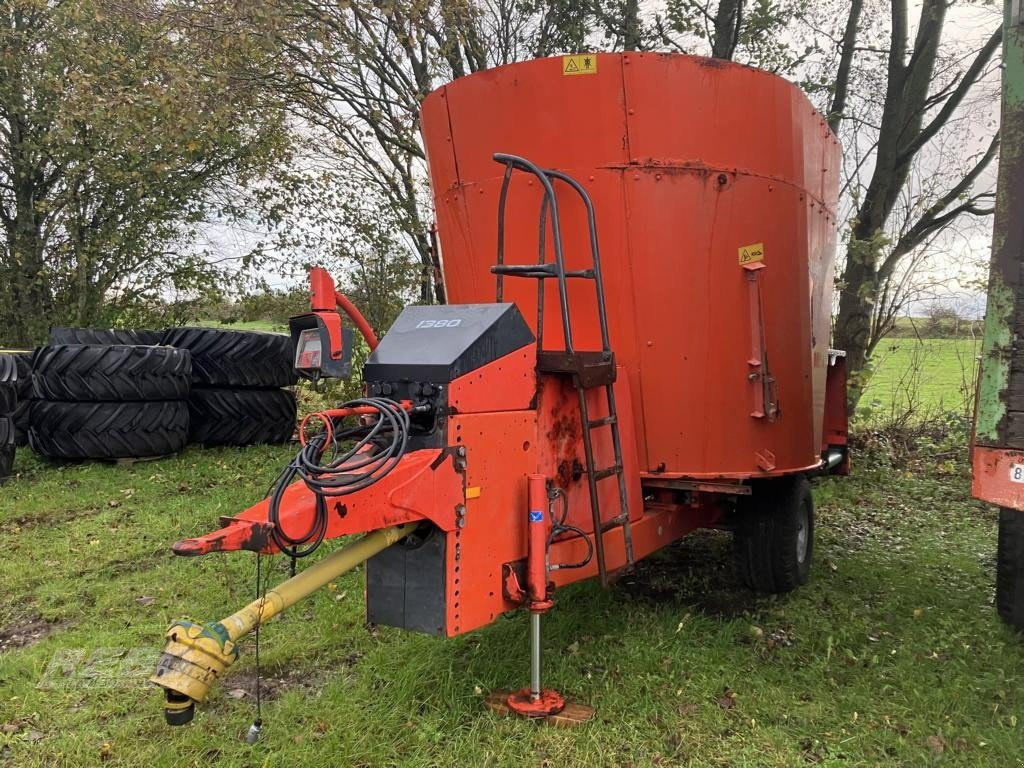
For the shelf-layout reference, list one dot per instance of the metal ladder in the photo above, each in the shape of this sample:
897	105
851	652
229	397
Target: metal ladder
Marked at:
588	370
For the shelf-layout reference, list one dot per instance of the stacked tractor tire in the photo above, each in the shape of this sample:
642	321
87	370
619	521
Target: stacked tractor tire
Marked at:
237	393
8	404
123	394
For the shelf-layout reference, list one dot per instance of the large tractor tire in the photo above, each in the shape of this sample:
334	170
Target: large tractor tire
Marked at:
23	409
8	384
1010	568
775	535
115	373
241	416
236	358
63	430
131	336
6	446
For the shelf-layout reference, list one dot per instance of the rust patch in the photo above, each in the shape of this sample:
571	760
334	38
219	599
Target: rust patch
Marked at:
712	63
564	436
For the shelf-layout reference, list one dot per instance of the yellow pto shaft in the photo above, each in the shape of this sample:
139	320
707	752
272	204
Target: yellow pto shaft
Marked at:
196	654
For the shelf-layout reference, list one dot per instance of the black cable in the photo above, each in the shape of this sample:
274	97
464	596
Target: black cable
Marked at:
561	526
376	448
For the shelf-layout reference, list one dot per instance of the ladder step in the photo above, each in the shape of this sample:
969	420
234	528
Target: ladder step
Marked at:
601	474
591	369
606	421
615	522
541	271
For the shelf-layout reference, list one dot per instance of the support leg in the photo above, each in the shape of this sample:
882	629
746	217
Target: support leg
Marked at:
535	701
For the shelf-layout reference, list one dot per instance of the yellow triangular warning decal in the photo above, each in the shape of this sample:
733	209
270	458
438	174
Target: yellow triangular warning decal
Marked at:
570	66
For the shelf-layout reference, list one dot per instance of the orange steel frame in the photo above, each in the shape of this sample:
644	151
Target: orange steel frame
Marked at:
695	404
475	492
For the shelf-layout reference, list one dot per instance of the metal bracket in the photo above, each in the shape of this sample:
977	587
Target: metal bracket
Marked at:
764	388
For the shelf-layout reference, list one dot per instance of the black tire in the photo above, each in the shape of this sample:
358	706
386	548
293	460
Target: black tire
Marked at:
6	446
63	430
8	384
115	373
236	358
241	416
22	417
24	362
24	407
131	336
775	535
1010	568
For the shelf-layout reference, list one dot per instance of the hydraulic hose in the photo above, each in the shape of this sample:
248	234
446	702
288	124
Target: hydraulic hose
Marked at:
356	457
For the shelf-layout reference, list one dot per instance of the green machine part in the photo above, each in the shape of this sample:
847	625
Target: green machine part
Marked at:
1000	407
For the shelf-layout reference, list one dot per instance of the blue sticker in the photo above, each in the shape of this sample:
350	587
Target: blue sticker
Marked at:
536	517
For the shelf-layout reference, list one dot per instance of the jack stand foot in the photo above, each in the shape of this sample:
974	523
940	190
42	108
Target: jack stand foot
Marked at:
571	713
548	703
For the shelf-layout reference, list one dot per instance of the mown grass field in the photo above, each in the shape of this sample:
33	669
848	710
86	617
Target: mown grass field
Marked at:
923	375
892	654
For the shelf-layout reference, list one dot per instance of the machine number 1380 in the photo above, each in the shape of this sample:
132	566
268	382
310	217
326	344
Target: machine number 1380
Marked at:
439	323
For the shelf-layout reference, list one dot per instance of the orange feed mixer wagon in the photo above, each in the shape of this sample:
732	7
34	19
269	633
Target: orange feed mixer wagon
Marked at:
639	253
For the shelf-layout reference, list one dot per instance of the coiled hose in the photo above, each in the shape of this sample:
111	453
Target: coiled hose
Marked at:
339	460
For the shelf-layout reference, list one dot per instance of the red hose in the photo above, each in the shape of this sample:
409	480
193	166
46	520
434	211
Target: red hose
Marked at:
357	317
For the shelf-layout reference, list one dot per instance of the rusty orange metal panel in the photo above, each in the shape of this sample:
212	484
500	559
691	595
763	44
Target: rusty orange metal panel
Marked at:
560	453
693	166
506	384
500	454
998	476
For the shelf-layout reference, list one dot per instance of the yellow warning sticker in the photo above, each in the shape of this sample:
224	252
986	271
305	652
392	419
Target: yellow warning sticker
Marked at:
580	64
751	253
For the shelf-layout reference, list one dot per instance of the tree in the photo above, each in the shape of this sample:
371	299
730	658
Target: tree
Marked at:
357	72
122	126
922	96
902	111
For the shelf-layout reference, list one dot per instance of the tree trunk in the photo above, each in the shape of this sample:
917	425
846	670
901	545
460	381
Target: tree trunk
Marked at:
842	83
632	32
902	116
728	21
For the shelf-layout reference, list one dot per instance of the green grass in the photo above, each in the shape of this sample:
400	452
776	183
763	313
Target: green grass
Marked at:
248	325
923	375
891	655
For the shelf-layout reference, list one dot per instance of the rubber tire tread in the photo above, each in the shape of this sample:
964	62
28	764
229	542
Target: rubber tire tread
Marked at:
766	532
7	446
24	362
107	336
241	416
8	384
24	407
236	358
22	417
113	373
64	430
1010	568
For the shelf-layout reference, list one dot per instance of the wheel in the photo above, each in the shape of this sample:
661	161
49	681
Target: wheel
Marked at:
115	373
133	336
775	535
236	358
21	416
1010	568
241	416
23	361
21	412
8	384
63	430
6	446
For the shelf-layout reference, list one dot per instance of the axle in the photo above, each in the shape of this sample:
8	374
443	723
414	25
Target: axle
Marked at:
196	654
